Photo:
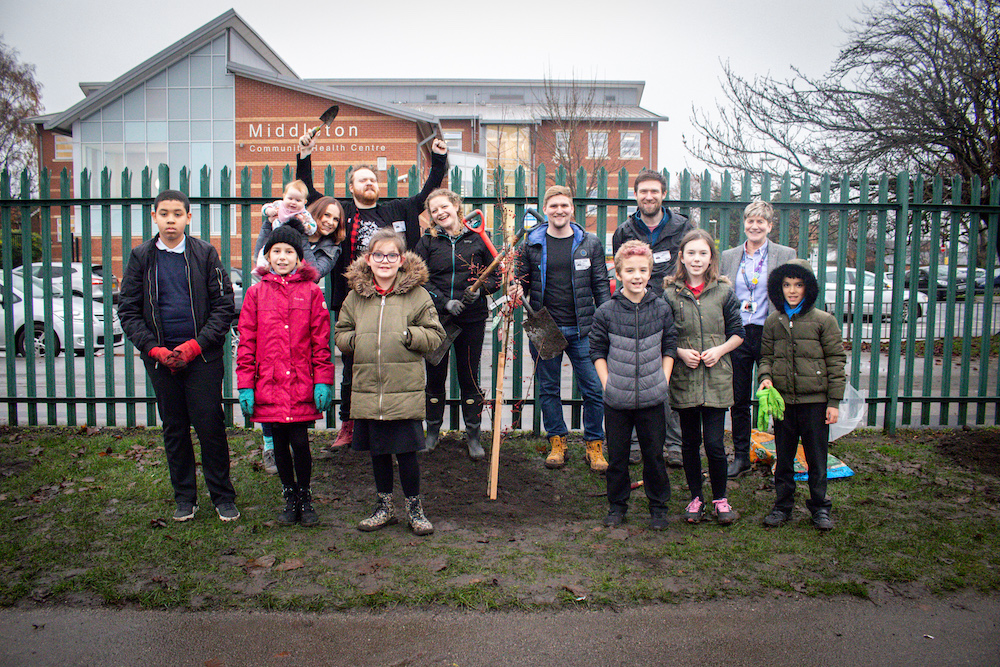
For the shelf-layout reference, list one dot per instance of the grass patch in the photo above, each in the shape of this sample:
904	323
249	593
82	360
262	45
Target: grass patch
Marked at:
82	518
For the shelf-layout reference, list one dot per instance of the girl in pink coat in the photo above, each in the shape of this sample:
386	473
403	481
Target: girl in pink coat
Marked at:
284	369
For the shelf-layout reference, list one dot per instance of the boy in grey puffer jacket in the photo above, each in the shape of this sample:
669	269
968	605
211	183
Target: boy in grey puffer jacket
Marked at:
633	343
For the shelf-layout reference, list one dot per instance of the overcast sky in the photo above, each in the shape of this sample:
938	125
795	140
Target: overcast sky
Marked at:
675	47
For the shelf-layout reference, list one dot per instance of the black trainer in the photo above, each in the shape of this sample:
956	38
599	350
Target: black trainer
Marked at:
185	511
659	521
614	518
822	520
307	514
776	518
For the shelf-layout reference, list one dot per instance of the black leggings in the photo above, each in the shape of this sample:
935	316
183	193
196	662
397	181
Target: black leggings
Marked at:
295	464
409	473
468	354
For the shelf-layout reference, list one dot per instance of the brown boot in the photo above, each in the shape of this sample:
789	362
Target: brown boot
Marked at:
595	456
557	457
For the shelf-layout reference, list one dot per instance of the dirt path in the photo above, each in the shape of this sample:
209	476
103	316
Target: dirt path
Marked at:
960	630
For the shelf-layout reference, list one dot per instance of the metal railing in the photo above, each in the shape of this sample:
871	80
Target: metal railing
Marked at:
849	222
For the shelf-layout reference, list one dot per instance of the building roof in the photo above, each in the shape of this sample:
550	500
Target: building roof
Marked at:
517	114
427	121
98	95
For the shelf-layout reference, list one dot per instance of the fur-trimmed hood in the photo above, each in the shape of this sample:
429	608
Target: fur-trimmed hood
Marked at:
797	268
306	271
413	273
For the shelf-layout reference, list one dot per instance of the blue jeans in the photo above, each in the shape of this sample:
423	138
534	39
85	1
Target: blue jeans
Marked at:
548	372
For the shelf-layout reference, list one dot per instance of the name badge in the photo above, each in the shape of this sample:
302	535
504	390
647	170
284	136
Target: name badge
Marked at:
661	257
399	226
582	263
749	306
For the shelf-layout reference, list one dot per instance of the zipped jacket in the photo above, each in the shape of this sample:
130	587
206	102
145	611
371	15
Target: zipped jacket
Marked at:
591	286
674	225
633	338
702	323
212	304
388	336
803	355
453	264
284	346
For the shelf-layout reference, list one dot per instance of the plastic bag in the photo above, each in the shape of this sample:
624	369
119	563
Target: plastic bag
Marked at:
853	410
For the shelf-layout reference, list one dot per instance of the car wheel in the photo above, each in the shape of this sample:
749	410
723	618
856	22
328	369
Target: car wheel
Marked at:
39	341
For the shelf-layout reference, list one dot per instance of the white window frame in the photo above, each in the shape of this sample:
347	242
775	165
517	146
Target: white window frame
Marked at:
637	155
597	144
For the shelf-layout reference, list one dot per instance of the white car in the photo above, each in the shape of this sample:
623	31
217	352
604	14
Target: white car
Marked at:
75	269
851	296
58	325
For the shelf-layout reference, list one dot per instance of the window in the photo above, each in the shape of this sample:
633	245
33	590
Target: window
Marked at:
631	145
562	144
64	149
454	139
597	145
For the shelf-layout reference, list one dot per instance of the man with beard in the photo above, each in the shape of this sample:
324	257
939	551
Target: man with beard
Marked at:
363	216
654	224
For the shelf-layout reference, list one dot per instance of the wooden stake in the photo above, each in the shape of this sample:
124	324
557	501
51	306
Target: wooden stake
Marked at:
497	415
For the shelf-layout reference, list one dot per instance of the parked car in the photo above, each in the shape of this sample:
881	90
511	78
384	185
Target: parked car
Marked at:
75	269
980	285
938	285
21	331
851	296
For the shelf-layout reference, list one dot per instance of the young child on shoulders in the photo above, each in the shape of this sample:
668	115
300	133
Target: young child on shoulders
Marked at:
388	322
284	368
709	327
803	357
292	206
633	343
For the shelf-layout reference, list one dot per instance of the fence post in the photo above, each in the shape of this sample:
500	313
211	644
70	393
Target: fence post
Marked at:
45	218
109	348
127	347
896	332
7	254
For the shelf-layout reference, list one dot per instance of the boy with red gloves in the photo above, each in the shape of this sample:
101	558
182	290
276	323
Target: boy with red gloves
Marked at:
176	306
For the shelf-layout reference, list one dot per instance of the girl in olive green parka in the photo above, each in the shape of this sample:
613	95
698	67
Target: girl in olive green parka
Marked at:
709	327
389	322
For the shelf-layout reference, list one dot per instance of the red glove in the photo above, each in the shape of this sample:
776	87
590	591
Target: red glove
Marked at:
161	354
185	352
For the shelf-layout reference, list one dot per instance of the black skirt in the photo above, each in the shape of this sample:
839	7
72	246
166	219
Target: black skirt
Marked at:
379	437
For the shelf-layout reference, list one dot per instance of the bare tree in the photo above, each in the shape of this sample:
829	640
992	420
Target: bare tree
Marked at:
578	125
916	87
20	98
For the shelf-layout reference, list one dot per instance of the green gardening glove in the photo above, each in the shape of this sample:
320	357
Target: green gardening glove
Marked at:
770	405
322	396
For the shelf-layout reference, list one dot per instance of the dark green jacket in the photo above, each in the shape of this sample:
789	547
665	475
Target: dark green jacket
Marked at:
388	369
803	356
703	323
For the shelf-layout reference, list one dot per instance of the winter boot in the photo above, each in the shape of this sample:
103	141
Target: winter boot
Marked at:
595	456
345	437
384	514
472	412
292	512
307	515
435	417
557	457
415	517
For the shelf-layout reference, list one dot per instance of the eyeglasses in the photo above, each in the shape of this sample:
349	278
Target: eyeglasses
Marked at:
382	257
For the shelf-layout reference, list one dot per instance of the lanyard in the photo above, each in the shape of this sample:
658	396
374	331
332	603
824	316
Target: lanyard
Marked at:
751	283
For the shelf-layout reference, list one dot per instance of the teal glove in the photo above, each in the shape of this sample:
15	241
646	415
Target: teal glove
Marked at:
246	401
323	396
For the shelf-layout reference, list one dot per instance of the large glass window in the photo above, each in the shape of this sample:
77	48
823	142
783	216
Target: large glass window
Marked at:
183	116
631	148
507	146
597	145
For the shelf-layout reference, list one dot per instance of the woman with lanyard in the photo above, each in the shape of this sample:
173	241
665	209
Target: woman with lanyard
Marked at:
455	256
748	265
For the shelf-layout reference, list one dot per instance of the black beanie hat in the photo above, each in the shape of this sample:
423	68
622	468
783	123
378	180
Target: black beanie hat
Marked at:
285	234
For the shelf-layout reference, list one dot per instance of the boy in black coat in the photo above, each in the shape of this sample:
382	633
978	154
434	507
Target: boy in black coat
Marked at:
633	344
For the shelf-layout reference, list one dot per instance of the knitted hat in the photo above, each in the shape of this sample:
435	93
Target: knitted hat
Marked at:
285	234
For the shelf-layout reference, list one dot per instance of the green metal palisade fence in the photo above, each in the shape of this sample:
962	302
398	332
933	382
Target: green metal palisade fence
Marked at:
848	221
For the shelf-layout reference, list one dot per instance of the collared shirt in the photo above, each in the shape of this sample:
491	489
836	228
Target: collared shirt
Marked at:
745	288
179	249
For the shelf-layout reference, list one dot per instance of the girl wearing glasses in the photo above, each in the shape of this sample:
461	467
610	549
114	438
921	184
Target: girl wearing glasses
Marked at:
389	322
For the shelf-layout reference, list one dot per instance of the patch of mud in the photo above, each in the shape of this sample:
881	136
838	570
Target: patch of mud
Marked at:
978	449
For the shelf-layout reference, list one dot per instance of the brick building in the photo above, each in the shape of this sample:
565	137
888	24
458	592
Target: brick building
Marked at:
221	97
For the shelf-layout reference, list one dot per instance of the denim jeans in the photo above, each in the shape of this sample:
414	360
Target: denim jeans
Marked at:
548	372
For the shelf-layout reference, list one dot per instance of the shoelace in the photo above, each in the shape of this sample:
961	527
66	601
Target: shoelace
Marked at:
722	506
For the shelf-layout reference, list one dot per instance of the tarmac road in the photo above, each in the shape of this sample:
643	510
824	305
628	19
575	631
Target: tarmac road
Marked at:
955	630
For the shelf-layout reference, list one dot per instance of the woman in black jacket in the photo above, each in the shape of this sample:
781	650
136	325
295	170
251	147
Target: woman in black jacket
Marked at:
455	257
